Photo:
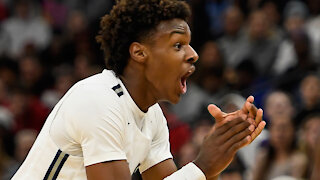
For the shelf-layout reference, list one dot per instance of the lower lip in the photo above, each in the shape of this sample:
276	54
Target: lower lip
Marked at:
183	86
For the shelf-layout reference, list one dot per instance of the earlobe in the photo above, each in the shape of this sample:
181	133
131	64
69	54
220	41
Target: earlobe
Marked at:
137	52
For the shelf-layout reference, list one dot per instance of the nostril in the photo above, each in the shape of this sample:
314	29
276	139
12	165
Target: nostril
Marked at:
191	60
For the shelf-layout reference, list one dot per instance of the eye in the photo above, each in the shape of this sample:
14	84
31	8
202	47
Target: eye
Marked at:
178	46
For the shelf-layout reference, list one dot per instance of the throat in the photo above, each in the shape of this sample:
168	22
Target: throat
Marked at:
139	94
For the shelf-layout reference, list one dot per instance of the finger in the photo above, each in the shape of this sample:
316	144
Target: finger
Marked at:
236	146
239	136
258	130
235	129
258	117
247	105
252	111
215	112
228	125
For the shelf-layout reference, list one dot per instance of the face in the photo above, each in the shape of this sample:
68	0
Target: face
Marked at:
169	60
281	132
311	129
278	104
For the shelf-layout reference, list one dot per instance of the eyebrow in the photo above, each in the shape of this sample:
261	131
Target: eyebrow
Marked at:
176	31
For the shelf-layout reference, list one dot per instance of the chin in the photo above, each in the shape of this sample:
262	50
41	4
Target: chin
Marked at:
174	100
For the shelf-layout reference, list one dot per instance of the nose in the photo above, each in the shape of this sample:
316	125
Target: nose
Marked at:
192	55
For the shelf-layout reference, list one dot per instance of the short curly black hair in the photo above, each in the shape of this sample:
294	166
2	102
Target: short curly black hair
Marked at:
131	21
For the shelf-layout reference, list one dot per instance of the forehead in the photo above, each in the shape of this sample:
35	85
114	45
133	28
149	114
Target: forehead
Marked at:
173	26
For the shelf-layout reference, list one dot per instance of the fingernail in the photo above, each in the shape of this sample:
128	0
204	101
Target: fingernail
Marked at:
251	128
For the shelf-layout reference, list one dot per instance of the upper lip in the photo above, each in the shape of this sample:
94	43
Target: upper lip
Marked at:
189	72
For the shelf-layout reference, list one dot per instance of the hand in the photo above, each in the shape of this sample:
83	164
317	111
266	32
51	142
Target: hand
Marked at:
220	146
231	132
254	116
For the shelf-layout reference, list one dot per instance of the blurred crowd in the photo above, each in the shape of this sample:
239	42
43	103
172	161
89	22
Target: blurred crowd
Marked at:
266	48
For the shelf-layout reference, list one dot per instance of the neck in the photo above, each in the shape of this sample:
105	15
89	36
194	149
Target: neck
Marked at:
136	84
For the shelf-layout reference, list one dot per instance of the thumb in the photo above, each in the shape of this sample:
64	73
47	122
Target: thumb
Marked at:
215	112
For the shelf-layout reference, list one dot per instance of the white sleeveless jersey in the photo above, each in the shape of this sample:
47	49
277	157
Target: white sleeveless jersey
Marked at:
96	121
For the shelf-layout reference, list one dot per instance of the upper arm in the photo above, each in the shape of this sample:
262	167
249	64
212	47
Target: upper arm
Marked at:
160	170
112	170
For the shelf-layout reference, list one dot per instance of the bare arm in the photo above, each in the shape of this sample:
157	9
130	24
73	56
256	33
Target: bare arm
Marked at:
160	171
112	170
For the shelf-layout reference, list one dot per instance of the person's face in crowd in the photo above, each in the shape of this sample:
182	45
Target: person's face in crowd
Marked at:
281	132
310	90
18	103
187	153
200	133
294	23
64	83
30	69
311	129
169	60
259	26
210	55
277	104
22	9
270	8
233	21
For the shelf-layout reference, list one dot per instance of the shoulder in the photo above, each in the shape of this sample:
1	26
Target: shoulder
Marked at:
92	98
96	90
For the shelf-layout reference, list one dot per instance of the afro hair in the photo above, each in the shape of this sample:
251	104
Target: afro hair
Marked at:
132	21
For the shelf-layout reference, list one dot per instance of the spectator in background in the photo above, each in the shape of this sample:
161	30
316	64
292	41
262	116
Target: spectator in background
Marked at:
180	131
315	172
271	8
308	141
215	10
92	9
279	157
28	111
310	96
243	77
23	142
83	67
32	76
56	13
231	41
4	94
191	148
313	31
8	72
295	15
291	79
261	42
26	29
64	79
187	154
278	103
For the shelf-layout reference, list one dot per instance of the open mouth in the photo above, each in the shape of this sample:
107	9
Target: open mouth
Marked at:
183	80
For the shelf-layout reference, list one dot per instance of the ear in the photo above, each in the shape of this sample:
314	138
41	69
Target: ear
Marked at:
137	52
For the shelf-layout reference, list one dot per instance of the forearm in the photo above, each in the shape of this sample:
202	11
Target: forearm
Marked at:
214	178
